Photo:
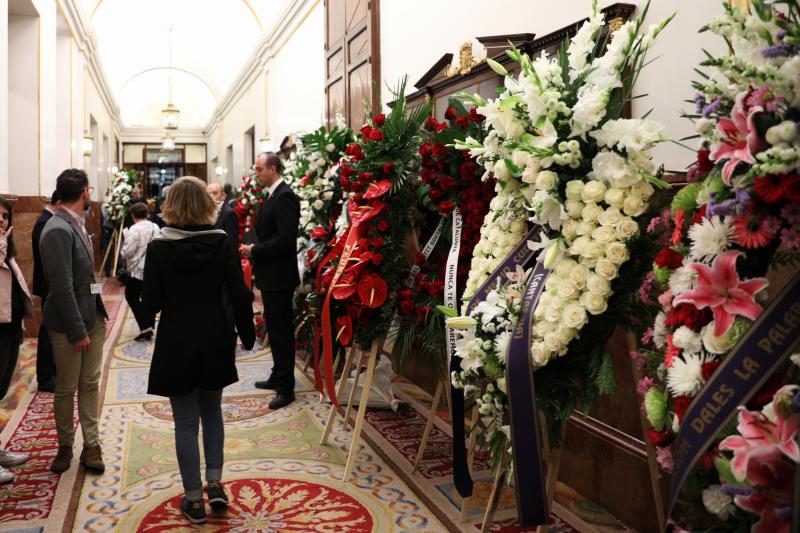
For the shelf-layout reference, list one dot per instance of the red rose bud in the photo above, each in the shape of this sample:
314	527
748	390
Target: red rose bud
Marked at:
446	207
304	180
708	369
404	293
431	124
389	168
377	242
376	135
475	116
669	258
657	438
681	405
435	194
379	119
463	121
366	130
260	201
383	225
706	461
441	127
407	307
450	113
704	163
377	259
364	177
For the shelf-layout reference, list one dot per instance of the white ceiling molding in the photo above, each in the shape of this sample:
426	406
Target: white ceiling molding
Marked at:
271	41
152	135
87	45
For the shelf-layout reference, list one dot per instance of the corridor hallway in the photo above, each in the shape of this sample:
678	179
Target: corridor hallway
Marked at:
278	475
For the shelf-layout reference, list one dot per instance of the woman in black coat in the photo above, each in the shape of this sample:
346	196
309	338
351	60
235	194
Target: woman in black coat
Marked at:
190	270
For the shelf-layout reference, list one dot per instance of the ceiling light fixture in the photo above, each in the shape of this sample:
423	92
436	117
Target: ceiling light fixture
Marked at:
170	114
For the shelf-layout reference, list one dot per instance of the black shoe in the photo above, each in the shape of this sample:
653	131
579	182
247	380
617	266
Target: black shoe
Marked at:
216	495
144	336
47	385
268	385
195	512
280	401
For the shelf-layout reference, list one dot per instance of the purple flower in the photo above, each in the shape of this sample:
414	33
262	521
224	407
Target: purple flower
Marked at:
645	385
796	401
699	101
721	209
791	213
735	490
784	513
778	50
780	35
711	108
743	197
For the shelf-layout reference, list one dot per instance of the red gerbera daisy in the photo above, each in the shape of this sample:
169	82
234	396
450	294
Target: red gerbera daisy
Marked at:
753	231
770	188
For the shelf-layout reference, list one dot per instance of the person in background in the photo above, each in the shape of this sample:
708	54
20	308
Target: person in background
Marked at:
228	190
137	238
155	216
274	259
226	219
189	268
15	304
45	366
74	316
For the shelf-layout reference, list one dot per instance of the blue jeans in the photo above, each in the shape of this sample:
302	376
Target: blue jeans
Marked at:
187	411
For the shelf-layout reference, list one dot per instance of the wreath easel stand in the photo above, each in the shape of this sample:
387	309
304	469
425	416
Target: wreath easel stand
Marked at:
116	242
371	358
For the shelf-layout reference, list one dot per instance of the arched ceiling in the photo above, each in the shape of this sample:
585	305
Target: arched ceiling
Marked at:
211	41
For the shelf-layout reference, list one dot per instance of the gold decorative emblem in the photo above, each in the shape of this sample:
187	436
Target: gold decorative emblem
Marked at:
466	61
615	23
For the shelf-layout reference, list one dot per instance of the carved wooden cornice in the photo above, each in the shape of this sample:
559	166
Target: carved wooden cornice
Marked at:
435	80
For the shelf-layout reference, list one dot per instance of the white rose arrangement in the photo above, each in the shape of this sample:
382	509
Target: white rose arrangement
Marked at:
120	194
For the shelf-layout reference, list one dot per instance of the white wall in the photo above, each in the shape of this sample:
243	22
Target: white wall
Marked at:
437	30
62	128
23	141
294	87
4	187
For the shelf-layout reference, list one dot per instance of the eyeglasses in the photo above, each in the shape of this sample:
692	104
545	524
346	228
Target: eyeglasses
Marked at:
90	189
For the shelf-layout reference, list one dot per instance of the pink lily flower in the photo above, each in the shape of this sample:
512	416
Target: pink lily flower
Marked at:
739	138
720	289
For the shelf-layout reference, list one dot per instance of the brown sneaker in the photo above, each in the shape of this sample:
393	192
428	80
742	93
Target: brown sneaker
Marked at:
92	459
62	460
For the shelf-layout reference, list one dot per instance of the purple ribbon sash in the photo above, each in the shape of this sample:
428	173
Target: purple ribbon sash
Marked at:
520	255
750	364
525	445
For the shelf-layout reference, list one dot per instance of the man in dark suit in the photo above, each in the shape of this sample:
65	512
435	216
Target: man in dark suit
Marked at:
45	366
75	318
274	257
227	220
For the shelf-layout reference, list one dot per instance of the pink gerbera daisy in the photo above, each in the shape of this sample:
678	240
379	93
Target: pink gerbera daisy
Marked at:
791	213
790	239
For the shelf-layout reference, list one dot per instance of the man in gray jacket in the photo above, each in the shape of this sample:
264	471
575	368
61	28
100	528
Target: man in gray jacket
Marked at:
75	317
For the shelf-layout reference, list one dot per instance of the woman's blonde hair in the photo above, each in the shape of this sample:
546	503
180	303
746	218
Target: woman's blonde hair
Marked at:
188	204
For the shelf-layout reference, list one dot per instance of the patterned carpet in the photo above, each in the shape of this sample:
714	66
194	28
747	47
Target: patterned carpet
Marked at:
279	476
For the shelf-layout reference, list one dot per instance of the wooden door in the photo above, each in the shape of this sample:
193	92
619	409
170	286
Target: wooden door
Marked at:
352	53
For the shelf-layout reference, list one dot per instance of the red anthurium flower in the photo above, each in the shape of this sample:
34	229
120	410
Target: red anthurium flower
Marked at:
373	290
719	288
318	232
345	286
344	330
378	189
379	119
362	213
450	113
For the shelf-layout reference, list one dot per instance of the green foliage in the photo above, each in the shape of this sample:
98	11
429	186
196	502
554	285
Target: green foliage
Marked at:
686	198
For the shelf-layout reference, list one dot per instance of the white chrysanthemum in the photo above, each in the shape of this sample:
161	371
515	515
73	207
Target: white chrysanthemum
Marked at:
687	340
717	502
685	376
501	344
681	280
710	238
660	331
